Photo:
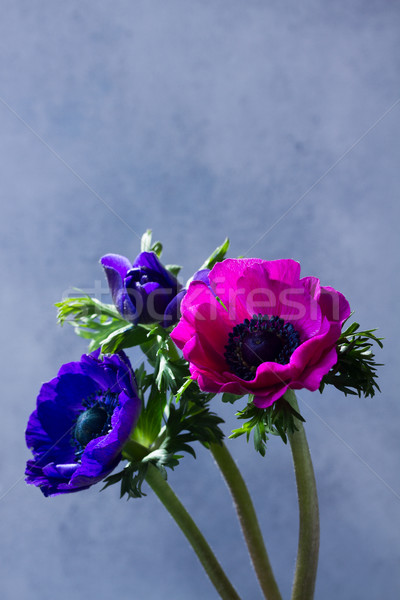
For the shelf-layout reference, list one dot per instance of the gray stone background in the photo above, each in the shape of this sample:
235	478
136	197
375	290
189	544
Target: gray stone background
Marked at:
276	123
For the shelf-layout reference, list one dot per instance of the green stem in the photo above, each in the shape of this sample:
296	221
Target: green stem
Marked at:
307	553
248	521
192	533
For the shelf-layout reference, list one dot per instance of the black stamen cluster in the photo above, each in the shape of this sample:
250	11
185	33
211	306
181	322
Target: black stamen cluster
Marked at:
259	340
94	421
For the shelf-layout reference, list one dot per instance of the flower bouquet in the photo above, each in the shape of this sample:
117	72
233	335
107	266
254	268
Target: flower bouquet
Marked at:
249	330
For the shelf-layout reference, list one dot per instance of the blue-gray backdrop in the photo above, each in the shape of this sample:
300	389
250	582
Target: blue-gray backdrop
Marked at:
276	123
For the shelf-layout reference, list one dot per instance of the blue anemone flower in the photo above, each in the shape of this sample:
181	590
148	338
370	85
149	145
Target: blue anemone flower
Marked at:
83	418
142	291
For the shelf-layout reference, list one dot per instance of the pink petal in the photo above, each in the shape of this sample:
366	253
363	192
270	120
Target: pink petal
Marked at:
267	398
292	303
312	285
202	313
201	353
334	305
310	350
224	278
286	270
271	373
311	378
207	383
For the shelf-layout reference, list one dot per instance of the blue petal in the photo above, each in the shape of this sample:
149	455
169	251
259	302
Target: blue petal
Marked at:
118	263
116	273
63	471
172	313
202	275
149	260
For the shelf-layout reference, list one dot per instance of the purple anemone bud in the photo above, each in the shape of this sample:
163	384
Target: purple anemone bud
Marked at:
140	291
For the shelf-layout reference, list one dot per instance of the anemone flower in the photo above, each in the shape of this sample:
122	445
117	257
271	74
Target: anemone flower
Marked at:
83	418
143	291
257	328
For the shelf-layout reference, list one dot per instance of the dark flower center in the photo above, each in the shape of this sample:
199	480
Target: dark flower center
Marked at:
258	340
143	275
90	424
94	421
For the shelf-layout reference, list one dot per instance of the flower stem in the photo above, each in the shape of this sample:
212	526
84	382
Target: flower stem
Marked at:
307	552
192	533
248	521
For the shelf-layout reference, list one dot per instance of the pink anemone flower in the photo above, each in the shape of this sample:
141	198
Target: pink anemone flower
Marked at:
257	328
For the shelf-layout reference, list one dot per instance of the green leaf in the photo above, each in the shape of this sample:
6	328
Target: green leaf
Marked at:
96	332
218	255
183	388
131	479
191	422
145	243
143	380
230	398
84	307
169	369
150	349
173	269
134	473
125	337
150	422
91	319
157	248
355	372
164	432
277	419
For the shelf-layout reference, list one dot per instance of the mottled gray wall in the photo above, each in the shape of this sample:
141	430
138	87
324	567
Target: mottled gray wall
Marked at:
200	119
